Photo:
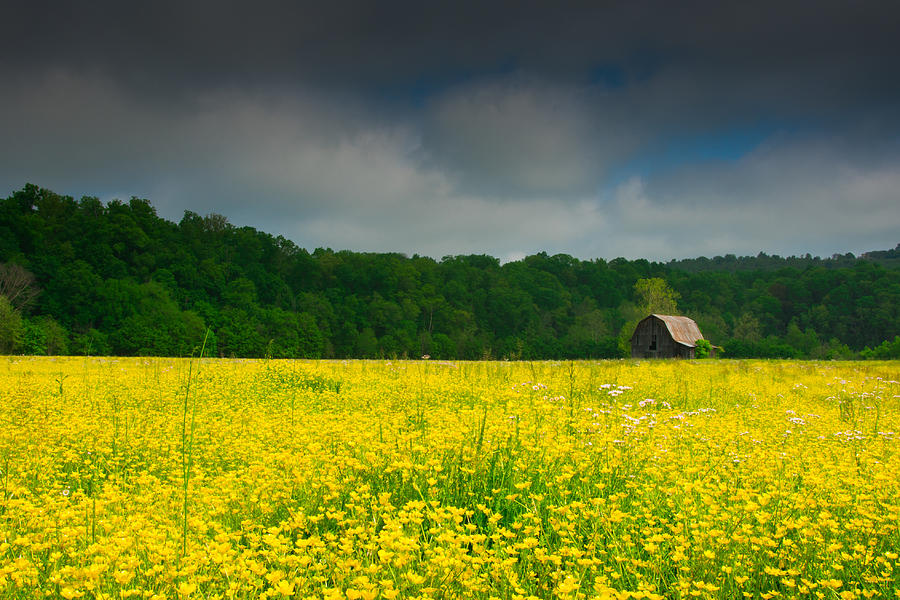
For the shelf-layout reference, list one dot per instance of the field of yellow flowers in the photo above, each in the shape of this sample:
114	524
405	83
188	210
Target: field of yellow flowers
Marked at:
167	478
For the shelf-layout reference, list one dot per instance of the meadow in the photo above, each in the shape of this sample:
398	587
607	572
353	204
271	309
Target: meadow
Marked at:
177	478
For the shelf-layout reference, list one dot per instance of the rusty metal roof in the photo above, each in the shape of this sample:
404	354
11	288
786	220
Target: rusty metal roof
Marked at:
682	329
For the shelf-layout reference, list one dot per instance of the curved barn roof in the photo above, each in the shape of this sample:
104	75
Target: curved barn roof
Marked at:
682	329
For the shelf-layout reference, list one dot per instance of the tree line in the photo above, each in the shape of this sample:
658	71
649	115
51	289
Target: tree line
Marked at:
87	277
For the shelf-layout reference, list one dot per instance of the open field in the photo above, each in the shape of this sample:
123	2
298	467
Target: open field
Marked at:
164	478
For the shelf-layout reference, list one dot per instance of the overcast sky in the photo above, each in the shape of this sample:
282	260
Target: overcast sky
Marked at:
648	129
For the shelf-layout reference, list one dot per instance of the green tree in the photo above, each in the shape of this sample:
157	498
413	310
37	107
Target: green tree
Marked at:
311	342
11	327
366	344
887	350
442	346
746	328
804	341
155	326
712	326
240	334
91	343
654	296
703	349
44	336
98	266
18	285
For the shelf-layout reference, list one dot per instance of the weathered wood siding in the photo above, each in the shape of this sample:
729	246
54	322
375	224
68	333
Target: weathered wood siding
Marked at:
642	342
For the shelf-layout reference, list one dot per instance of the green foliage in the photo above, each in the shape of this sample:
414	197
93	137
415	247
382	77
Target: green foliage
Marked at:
804	341
12	328
834	350
150	323
366	344
703	349
44	336
310	341
117	279
770	347
654	296
623	341
887	350
442	346
713	326
90	343
17	284
746	328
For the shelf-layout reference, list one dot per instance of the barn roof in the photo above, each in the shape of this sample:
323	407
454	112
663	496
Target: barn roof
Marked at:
682	329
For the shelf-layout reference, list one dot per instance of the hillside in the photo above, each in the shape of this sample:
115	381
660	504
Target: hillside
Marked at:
118	279
765	262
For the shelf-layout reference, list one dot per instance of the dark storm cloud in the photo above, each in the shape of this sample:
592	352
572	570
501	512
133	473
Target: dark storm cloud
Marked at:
519	137
503	127
385	45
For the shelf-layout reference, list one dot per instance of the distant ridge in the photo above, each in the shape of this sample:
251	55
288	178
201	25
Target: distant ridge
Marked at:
766	262
88	277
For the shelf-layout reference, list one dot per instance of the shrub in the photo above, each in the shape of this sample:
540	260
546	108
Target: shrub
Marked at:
703	349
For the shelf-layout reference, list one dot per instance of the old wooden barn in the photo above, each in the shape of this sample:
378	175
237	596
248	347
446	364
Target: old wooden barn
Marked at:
665	336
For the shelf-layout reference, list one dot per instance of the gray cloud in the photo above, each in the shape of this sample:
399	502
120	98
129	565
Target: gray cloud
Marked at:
793	195
517	137
469	128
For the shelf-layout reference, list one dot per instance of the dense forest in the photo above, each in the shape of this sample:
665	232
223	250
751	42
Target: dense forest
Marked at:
84	277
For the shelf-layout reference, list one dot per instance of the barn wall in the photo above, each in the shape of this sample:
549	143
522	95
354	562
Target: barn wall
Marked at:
640	341
666	347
